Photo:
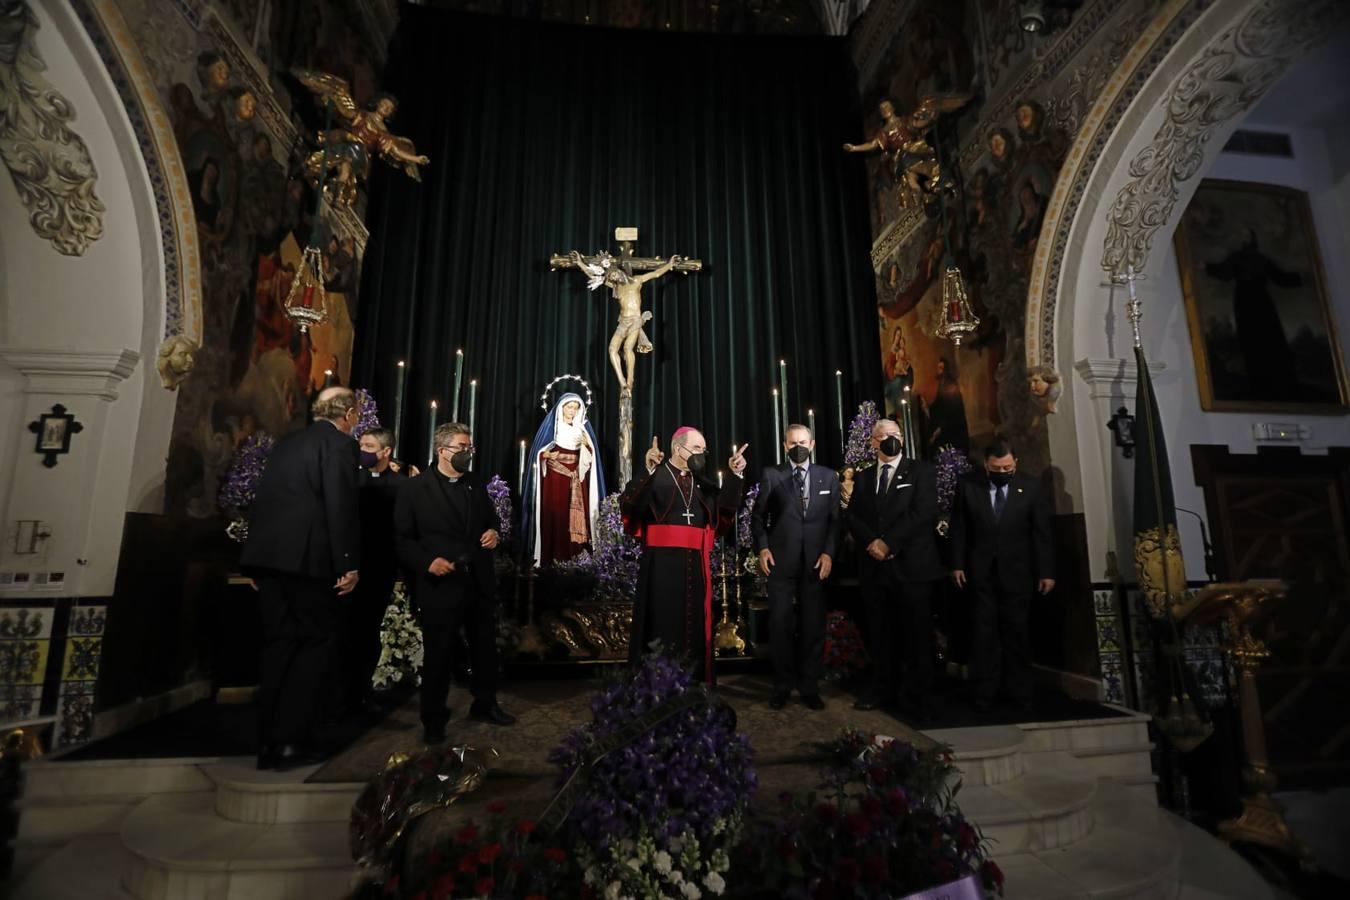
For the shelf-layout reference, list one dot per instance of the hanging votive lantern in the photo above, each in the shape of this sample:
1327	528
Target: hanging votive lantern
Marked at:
306	303
958	319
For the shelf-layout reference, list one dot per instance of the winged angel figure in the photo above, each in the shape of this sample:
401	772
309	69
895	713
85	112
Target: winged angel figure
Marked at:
360	133
903	142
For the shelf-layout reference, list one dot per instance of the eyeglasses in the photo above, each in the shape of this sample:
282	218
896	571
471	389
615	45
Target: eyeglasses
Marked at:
459	448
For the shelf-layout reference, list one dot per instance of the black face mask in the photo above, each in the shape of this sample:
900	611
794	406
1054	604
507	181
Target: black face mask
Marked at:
697	461
799	454
1000	479
891	446
462	460
369	459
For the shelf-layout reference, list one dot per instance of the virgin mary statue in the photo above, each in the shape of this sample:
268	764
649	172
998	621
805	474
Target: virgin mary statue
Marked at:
564	484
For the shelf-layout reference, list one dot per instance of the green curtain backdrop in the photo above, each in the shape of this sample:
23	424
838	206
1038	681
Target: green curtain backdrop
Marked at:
543	139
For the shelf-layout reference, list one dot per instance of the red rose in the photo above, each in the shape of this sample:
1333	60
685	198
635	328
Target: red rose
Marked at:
496	807
484	887
489	853
469	863
555	854
443	888
896	801
858	825
466	835
525	826
992	874
827	813
965	836
875	870
880	775
391	885
515	866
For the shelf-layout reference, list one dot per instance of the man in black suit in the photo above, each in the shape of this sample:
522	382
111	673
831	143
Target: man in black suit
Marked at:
892	516
445	530
302	551
1001	546
380	479
796	526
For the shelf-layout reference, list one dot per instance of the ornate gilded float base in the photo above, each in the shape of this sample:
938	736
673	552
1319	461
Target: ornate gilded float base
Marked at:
596	630
726	638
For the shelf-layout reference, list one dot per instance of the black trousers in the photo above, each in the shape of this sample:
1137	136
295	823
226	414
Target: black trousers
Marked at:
359	642
797	631
1001	645
440	643
299	619
900	626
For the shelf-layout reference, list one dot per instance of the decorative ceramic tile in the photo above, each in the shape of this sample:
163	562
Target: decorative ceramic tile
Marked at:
1108	635
88	621
23	662
74	713
1112	678
1211	675
1104	603
82	658
26	623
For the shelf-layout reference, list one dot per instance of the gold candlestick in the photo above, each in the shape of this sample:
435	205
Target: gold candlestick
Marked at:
726	637
531	641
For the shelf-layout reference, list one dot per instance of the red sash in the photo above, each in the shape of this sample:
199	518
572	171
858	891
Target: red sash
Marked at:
688	537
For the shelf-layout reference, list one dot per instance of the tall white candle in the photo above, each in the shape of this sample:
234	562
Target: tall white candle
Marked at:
473	403
777	427
839	408
520	475
811	423
782	391
431	435
399	381
459	379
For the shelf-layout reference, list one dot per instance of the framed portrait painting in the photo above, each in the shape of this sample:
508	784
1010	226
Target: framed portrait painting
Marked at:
1256	301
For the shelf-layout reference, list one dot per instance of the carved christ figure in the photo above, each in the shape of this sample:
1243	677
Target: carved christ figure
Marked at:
604	270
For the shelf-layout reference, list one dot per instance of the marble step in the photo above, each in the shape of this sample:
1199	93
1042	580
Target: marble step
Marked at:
243	794
180	847
87	868
1036	811
48	778
985	756
1116	733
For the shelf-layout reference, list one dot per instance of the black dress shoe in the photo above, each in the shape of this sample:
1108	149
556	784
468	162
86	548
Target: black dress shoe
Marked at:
778	700
293	756
813	701
433	735
493	715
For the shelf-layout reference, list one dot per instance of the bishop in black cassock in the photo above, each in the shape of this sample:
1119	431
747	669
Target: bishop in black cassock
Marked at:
677	510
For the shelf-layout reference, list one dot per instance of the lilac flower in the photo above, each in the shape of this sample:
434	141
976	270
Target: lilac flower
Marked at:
951	465
500	492
612	559
241	479
859	453
370	413
689	772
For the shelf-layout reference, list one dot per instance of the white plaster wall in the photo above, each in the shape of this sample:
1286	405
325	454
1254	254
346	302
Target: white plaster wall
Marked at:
94	303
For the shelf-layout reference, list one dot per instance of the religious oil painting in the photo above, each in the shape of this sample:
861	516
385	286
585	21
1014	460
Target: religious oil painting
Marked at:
1256	300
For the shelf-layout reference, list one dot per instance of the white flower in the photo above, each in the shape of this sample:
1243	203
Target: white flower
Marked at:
590	876
713	882
690	890
635	864
612	890
663	862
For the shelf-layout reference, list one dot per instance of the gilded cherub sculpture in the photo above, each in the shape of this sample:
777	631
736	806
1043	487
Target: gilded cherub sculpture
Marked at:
358	134
903	142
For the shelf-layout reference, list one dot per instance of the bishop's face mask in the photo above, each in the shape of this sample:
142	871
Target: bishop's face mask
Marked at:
697	461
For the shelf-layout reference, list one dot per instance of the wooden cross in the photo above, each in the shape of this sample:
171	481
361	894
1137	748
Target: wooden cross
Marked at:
627	238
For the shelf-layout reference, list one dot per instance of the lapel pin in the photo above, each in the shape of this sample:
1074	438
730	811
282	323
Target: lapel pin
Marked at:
1019	490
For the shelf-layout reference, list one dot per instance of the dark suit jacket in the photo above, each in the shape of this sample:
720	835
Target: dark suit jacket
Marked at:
1018	545
796	541
379	558
304	520
425	527
905	518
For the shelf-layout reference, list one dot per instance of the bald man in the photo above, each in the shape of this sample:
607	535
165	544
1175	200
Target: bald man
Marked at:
302	552
676	508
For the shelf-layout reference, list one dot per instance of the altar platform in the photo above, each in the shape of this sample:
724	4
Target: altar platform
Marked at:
1068	805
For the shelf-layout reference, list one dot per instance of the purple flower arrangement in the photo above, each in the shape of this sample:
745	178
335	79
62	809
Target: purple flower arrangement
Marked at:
370	413
858	452
951	465
692	774
745	538
612	559
500	492
241	479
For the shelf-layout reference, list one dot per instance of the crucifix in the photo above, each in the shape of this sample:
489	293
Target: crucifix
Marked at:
619	274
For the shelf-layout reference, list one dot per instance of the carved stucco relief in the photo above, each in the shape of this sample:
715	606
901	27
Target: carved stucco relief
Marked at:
49	163
1226	81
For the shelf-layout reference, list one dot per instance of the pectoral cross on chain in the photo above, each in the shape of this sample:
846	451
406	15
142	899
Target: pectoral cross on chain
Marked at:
689	517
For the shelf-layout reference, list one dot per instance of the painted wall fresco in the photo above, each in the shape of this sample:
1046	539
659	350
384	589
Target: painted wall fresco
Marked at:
1029	93
221	71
